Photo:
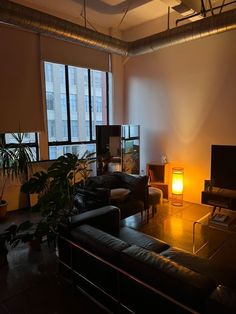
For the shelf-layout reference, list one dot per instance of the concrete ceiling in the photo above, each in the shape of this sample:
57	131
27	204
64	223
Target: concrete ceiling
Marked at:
118	15
102	13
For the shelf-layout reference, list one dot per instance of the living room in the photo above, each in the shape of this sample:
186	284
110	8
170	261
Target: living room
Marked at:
182	96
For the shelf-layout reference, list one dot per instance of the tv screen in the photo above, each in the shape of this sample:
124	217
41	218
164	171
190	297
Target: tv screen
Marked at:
223	166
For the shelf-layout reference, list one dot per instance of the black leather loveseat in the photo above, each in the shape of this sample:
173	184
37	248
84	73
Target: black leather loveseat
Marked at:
130	272
128	192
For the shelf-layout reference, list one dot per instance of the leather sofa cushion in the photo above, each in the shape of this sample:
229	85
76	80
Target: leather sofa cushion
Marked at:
132	236
201	265
119	195
134	183
175	280
104	181
98	242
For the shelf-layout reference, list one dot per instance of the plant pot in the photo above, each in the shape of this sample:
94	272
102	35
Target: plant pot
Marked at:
3	209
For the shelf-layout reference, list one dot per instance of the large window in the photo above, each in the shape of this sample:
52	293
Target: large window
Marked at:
77	100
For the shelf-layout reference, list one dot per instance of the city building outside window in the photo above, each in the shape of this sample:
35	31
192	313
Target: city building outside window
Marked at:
53	152
87	130
72	120
73	103
64	129
51	129
98	104
74	128
50	100
48	72
72	75
86	103
62	75
63	102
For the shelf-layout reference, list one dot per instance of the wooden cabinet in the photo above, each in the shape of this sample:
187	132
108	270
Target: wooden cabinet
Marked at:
159	176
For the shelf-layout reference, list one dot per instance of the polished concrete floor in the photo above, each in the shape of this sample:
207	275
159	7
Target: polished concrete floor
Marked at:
30	283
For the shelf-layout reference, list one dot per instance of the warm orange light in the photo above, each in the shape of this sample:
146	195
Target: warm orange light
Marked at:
177	186
177	180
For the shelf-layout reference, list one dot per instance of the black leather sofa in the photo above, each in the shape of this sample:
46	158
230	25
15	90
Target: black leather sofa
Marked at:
130	272
128	192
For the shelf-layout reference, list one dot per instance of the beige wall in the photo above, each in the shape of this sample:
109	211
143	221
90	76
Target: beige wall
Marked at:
184	99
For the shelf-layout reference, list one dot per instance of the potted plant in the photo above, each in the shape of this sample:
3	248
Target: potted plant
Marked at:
14	161
56	189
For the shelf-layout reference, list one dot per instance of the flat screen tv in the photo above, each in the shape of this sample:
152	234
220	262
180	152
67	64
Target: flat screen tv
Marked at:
223	166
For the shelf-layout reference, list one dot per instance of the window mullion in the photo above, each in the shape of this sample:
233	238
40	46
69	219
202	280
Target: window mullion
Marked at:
37	146
68	103
107	96
90	105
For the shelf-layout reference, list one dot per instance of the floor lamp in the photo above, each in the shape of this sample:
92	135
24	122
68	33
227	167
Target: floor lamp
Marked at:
177	186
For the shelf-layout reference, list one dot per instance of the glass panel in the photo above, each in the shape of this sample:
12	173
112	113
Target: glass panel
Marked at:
52	130
99	99
50	100
73	103
48	72
56	104
57	151
28	138
63	103
134	130
79	103
74	129
62	75
72	75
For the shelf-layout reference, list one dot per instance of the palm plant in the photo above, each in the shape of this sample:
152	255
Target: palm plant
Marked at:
14	161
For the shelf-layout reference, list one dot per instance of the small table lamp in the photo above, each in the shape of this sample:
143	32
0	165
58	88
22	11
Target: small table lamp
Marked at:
177	186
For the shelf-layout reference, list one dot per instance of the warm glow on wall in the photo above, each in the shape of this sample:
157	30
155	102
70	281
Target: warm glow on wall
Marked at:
177	186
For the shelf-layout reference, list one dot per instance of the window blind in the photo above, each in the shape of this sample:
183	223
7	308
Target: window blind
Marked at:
64	52
21	107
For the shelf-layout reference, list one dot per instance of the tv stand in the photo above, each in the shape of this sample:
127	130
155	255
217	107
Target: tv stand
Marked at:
222	198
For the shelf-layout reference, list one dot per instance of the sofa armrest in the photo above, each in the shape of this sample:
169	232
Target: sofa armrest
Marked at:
106	218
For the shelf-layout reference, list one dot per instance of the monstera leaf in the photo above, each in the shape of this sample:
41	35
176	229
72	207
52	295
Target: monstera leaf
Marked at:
62	167
38	183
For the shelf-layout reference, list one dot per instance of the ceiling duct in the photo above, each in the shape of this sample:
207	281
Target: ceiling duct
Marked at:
43	23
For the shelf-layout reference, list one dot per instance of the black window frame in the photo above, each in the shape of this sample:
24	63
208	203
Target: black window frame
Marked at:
90	105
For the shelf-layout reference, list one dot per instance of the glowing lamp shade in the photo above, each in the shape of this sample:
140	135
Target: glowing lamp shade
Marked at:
177	186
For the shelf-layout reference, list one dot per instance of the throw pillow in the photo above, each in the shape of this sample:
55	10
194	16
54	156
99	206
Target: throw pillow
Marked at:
119	195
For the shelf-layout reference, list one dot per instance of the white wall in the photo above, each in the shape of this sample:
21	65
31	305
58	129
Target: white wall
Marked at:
184	99
117	105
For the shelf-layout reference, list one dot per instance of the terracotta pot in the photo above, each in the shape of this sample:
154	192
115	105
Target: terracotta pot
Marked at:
3	209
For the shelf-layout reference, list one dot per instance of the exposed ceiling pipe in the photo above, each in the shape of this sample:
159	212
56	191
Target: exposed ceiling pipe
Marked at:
27	18
206	27
52	26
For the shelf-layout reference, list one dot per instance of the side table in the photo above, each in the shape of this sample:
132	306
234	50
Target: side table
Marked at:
227	229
